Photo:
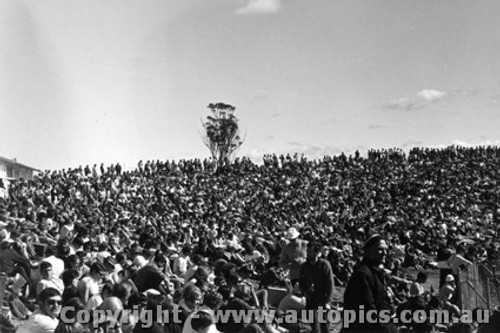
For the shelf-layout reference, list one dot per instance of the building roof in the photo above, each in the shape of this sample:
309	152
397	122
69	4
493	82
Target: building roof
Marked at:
14	162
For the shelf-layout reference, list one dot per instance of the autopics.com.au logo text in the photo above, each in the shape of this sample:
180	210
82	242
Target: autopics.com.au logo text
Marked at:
146	318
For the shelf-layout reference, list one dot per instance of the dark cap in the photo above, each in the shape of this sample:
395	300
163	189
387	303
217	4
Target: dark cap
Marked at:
372	240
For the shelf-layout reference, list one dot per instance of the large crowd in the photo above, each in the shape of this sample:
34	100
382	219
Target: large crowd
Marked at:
189	236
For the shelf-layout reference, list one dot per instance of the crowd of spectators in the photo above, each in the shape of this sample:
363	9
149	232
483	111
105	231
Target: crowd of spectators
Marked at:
185	235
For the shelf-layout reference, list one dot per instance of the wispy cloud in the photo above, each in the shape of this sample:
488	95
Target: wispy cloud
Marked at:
412	143
376	126
260	7
420	100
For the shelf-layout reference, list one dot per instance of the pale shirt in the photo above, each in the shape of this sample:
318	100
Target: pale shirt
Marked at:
88	284
181	266
51	282
57	265
39	323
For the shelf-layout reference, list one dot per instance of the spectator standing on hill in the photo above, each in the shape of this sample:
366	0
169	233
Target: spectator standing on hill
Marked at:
316	283
366	287
294	254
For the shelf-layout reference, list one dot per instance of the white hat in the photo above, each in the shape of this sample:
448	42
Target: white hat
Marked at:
292	233
450	278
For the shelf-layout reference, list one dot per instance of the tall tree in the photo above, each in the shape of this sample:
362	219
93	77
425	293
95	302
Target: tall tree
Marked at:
222	134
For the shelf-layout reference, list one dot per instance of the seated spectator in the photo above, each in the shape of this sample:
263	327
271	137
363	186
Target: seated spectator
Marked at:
57	263
45	319
89	288
151	276
48	280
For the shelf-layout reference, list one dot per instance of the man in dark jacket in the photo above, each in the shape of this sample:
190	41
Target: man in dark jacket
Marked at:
366	287
316	283
12	262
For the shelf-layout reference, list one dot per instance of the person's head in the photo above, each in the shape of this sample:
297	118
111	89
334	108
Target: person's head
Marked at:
45	269
192	296
421	277
73	261
110	264
139	262
122	292
97	271
5	244
450	279
160	260
186	250
70	277
137	300
313	251
201	321
375	250
201	274
110	305
50	302
213	300
107	290
292	234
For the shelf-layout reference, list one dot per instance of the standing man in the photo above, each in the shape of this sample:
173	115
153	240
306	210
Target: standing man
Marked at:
316	283
366	288
293	255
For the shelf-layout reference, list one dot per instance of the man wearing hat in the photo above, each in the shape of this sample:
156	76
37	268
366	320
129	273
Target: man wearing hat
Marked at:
366	287
446	294
294	254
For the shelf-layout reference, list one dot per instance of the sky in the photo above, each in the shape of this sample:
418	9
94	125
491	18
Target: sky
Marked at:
107	81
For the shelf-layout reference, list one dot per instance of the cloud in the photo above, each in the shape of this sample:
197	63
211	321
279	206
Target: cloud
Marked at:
260	7
412	143
376	126
421	99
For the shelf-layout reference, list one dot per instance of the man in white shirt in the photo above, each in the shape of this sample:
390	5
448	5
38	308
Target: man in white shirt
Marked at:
57	264
457	260
44	320
48	280
182	262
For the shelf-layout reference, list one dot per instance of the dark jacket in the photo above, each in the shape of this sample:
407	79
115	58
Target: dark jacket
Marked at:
9	258
316	282
366	287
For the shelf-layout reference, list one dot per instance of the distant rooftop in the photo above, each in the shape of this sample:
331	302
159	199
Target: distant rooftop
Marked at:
14	161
